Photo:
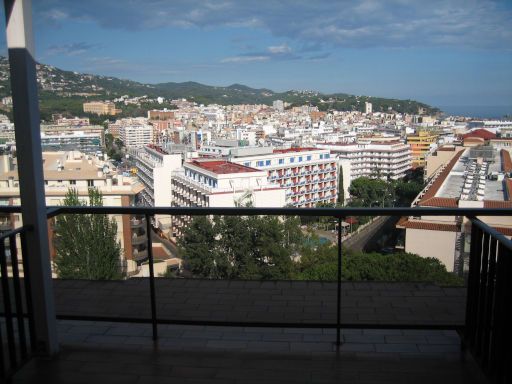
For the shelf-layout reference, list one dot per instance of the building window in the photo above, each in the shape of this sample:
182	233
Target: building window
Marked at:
281	161
260	163
327	156
300	159
321	156
292	159
72	182
267	162
308	157
247	164
90	183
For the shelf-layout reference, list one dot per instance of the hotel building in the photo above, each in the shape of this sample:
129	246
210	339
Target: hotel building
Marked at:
220	183
371	158
308	174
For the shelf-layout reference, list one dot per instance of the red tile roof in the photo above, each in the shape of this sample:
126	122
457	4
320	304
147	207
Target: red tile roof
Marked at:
222	167
497	204
506	161
446	148
507	231
482	133
444	202
405	223
431	192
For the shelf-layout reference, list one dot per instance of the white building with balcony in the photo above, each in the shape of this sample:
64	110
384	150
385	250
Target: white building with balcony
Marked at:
136	135
154	168
308	174
371	158
220	183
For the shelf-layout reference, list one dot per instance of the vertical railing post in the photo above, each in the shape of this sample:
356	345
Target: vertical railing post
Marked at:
151	278
338	297
7	307
17	297
28	293
475	255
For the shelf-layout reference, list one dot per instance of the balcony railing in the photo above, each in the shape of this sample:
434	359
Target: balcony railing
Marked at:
20	335
488	316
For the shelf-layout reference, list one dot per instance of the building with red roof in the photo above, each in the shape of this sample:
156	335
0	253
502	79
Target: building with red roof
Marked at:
475	177
481	133
221	183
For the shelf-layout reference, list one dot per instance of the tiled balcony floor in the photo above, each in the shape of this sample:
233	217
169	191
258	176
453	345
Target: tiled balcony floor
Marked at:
265	301
99	352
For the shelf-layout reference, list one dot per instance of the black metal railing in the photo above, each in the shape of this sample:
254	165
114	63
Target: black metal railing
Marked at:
488	330
17	305
487	327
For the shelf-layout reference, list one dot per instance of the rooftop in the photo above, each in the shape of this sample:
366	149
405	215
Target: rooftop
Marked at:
291	150
222	167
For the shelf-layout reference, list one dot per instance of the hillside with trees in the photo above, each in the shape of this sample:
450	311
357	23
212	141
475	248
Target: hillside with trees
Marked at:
64	92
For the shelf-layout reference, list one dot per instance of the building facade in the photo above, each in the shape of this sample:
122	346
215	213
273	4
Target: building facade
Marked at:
421	144
477	177
309	175
371	158
73	170
154	169
100	108
220	183
134	136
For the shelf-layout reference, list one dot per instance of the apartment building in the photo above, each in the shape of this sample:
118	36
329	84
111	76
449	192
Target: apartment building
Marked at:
389	159
73	128
421	144
78	140
65	170
476	177
154	168
308	174
137	135
220	183
100	108
156	114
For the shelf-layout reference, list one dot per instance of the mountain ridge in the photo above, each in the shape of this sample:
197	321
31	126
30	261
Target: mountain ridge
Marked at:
72	87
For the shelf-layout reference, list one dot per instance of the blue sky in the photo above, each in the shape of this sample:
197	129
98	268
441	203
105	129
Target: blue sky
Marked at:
443	52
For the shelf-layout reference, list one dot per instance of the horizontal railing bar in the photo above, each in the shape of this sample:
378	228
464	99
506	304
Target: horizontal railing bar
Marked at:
251	324
238	211
10	209
14	232
507	243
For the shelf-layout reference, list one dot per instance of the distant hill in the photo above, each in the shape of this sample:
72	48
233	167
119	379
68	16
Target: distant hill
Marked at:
65	91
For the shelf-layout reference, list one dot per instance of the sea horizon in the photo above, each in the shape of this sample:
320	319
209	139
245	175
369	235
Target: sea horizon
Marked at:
478	111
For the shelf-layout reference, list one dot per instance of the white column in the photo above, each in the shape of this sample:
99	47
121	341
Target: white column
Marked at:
28	146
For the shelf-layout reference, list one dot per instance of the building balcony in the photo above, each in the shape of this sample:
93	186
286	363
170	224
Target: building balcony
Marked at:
236	329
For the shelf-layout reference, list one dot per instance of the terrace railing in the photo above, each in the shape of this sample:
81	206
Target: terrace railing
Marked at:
17	307
487	332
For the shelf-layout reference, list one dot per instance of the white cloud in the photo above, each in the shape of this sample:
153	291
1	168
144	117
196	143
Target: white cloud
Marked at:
244	59
351	23
279	49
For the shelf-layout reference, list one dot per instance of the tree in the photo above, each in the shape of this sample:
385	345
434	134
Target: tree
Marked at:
233	247
341	192
321	264
199	249
367	192
86	244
